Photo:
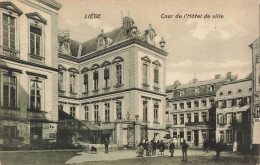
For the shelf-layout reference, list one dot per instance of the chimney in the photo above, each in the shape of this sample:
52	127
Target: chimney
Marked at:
229	75
194	80
217	76
176	83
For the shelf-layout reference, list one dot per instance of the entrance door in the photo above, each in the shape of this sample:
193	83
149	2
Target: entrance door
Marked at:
196	137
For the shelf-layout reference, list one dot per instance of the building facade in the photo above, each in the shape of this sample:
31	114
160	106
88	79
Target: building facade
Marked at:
114	84
233	113
190	112
28	72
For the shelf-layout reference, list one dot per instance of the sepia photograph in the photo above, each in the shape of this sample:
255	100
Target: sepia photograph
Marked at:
122	82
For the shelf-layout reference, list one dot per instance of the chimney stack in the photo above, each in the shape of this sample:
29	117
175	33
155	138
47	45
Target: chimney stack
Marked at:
229	75
194	80
217	76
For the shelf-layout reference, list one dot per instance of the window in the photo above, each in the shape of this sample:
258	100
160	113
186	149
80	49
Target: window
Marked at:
167	115
229	118
35	41
107	112
196	117
204	116
196	104
118	74
182	93
60	81
72	83
10	132
156	107
174	134
182	105
36	96
212	88
9	91
72	111
8	31
106	78
181	135
156	76
145	73
217	118
60	107
204	134
174	119
181	118
229	93
145	109
204	103
239	91
119	110
234	118
221	135
95	78
167	103
85	82
211	102
229	136
189	118
240	101
196	91
96	117
221	93
189	136
189	104
174	106
86	113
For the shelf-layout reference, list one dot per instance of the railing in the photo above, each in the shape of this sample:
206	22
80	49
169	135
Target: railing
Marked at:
9	52
36	114
196	123
9	111
36	59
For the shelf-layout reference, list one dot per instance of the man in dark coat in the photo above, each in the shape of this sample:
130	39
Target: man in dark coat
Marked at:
171	148
106	145
218	149
184	150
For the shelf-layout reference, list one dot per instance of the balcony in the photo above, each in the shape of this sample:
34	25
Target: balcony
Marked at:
36	59
9	52
9	111
196	123
36	114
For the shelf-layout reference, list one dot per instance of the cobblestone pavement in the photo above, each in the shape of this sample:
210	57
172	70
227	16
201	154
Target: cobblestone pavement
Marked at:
82	157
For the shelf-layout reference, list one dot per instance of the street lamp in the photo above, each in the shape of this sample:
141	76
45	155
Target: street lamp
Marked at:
162	43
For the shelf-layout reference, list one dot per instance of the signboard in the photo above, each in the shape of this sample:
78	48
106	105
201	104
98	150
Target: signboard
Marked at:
49	131
256	131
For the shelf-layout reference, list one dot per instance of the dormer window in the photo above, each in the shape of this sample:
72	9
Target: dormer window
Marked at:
221	93
182	93
229	92
212	88
239	91
197	91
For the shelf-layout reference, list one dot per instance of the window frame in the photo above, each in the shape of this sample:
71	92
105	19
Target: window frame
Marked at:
42	91
9	74
107	112
119	109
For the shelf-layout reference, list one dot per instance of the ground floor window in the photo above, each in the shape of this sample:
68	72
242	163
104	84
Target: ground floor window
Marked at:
221	136
10	132
229	136
189	136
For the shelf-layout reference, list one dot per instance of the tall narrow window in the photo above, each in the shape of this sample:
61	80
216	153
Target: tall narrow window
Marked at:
72	111
72	83
156	107
189	136
145	107
35	41
174	119
119	110
189	118
9	91
181	118
36	89
106	78
107	112
8	31
96	117
60	81
196	117
95	78
85	82
145	73
118	74
156	77
86	113
204	116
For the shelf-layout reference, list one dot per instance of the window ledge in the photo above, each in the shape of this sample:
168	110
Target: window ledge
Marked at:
62	91
9	51
156	88
36	58
106	88
73	93
36	111
95	91
10	108
145	85
156	122
85	93
118	85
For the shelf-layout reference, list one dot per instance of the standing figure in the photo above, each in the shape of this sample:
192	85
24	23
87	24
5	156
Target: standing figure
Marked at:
218	149
162	147
149	149
106	145
154	146
171	148
184	150
235	146
140	149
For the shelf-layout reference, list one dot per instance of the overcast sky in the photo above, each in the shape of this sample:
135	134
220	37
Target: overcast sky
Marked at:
200	47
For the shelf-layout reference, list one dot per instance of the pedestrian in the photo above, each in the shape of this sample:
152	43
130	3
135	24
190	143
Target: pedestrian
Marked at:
235	146
171	148
140	149
218	148
106	145
206	145
184	150
149	149
154	146
162	147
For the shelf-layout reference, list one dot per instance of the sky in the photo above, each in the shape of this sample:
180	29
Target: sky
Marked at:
197	47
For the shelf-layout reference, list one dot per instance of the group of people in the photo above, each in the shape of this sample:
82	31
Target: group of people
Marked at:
152	146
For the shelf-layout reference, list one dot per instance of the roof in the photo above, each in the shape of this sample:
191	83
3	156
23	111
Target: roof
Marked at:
51	3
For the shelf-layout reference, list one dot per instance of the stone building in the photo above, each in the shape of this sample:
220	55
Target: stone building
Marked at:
28	72
114	84
190	110
255	95
233	113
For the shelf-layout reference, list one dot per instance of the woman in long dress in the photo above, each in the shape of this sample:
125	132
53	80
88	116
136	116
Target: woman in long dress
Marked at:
235	146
